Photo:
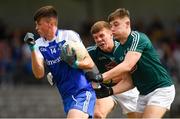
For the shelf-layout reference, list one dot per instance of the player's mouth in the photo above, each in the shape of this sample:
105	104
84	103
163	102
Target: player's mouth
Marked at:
101	45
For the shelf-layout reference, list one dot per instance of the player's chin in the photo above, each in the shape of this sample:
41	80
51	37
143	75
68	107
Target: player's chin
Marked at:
115	35
41	34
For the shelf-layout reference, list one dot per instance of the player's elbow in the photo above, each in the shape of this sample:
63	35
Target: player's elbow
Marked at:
128	67
90	65
39	75
86	64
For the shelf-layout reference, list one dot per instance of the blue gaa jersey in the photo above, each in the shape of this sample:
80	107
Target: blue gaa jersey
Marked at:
69	80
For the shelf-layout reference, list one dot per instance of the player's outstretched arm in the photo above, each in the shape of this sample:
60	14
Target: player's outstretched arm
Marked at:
37	63
126	66
124	84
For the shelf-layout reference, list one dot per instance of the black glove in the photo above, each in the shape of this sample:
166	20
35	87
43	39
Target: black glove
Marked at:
29	39
104	91
92	76
69	56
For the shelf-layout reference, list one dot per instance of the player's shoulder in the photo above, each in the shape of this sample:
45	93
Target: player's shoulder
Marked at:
41	42
92	48
68	32
138	35
69	35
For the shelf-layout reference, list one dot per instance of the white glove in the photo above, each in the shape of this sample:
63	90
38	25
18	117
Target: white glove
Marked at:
50	78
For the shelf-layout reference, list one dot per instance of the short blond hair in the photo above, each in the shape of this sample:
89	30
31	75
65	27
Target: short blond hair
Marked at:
99	26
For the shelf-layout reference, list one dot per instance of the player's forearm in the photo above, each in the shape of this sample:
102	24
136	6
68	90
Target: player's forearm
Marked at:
37	66
122	86
87	63
116	72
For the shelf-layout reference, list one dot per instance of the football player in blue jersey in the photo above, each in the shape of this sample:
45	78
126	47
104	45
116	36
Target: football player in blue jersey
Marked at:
76	91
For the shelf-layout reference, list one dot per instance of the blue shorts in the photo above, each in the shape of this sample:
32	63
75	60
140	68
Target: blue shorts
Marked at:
84	101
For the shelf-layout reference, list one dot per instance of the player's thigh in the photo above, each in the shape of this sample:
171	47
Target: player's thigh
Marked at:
153	111
128	101
83	102
134	115
157	102
77	114
104	105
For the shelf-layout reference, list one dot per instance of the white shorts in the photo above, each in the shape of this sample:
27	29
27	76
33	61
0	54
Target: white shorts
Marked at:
162	97
127	100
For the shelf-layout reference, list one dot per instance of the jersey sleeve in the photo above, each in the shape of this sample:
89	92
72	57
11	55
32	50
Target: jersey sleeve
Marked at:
74	37
92	51
139	42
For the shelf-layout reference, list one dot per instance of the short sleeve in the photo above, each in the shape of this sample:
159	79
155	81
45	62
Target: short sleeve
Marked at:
73	36
37	50
139	42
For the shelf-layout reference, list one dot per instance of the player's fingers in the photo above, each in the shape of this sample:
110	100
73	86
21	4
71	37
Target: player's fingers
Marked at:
67	49
63	52
73	51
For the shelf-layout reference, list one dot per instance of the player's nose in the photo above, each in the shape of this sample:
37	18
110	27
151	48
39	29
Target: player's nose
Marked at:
98	39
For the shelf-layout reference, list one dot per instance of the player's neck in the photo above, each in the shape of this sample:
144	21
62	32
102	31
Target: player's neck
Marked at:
109	49
125	37
123	41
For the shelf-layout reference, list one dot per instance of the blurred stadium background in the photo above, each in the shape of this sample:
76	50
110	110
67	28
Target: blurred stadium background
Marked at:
22	96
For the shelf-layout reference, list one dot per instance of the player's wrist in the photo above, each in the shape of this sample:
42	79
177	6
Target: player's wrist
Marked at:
29	39
75	64
32	47
99	78
103	91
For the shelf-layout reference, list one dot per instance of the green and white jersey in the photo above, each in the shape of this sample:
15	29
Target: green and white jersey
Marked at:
103	60
148	74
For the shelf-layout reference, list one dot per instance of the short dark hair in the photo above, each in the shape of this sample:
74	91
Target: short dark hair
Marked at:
121	13
99	26
46	11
